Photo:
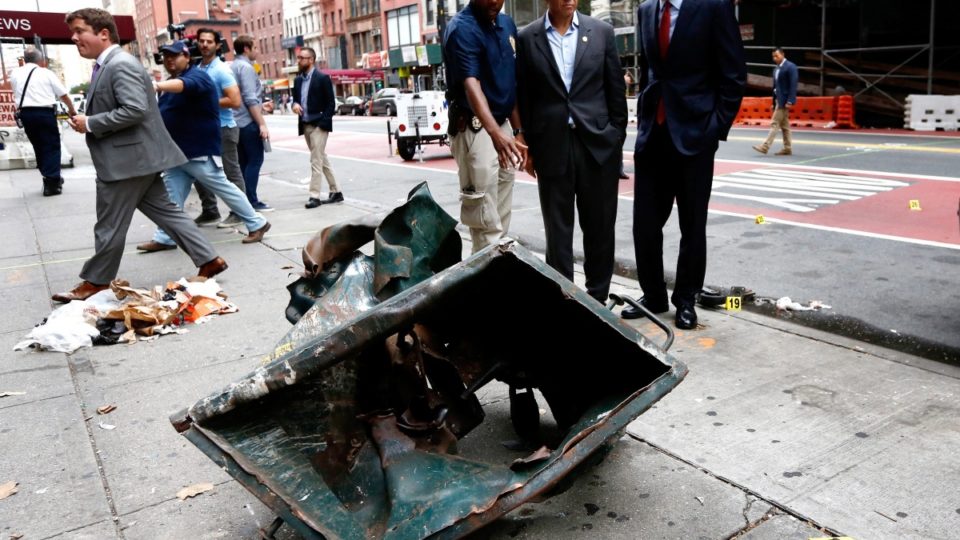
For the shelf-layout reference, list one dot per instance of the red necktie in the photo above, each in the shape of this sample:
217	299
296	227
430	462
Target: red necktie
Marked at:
664	38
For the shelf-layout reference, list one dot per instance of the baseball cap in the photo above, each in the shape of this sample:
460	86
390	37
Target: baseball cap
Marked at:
177	47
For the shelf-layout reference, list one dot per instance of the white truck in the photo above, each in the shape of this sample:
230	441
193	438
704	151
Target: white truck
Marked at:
422	118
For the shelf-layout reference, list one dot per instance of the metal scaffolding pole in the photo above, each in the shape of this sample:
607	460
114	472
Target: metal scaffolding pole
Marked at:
933	10
823	43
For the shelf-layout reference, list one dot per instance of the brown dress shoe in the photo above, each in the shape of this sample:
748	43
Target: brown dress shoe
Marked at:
152	246
785	152
760	149
212	268
257	235
81	292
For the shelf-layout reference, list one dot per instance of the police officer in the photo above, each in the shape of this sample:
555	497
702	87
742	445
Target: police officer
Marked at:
38	89
479	51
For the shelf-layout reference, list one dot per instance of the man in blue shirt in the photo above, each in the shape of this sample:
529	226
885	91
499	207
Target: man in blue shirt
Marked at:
191	113
479	50
208	42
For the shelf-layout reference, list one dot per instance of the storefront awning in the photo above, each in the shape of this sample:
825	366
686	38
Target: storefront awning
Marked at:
51	28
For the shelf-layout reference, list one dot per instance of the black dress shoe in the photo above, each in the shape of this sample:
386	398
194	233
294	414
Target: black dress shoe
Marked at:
207	218
333	198
631	312
52	186
686	317
313	202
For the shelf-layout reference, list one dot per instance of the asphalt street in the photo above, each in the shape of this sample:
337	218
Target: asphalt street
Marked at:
838	225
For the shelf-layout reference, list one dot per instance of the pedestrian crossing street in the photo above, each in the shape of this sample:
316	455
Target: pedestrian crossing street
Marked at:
797	190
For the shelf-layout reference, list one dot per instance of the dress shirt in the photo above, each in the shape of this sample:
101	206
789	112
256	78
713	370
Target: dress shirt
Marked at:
564	47
674	13
44	90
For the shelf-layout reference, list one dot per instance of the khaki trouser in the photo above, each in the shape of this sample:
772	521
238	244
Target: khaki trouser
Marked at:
319	162
781	121
486	190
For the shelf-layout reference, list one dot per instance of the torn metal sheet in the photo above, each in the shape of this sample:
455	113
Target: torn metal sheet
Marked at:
360	423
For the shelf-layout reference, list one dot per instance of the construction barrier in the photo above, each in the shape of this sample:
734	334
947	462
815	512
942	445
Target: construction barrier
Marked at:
932	113
16	152
820	112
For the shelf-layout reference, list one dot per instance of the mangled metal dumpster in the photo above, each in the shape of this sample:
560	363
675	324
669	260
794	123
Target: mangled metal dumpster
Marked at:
381	413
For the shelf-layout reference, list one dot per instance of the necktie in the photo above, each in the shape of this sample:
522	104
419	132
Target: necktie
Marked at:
664	41
96	68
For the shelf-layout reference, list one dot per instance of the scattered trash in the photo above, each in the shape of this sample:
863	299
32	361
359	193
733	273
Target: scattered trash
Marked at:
106	409
10	394
16	536
760	220
107	427
8	489
287	267
915	205
194	490
41	491
700	500
786	304
123	314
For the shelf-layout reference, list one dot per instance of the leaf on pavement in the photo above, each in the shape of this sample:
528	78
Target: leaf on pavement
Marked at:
194	490
8	489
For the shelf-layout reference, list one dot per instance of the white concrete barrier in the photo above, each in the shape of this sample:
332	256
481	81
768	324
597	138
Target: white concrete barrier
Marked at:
932	113
17	152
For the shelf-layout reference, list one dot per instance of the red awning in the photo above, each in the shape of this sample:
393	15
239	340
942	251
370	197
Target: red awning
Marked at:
350	76
51	28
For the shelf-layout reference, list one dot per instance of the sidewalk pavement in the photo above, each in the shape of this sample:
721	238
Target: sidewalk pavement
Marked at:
779	431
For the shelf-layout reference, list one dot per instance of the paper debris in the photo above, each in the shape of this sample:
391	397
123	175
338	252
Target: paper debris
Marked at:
107	427
194	490
8	489
787	304
700	500
8	394
106	409
16	536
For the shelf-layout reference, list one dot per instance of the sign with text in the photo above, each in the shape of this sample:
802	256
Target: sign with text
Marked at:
51	27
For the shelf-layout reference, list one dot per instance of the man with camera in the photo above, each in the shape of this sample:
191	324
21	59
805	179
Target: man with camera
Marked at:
208	44
36	90
191	113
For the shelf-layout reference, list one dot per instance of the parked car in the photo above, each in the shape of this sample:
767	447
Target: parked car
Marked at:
354	105
384	102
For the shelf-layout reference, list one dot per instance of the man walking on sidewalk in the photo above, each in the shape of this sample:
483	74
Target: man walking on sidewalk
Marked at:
35	91
314	104
249	117
208	41
129	147
191	113
784	98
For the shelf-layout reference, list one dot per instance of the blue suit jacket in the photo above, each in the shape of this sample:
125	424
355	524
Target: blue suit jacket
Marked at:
785	84
322	103
702	79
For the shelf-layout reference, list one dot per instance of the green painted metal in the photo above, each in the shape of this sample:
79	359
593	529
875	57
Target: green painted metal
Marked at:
353	428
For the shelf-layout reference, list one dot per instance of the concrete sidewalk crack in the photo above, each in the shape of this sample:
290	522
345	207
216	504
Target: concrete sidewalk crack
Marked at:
749	493
84	414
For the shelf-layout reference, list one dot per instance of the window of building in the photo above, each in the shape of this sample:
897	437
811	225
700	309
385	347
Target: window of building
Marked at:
354	10
357	46
377	43
430	10
233	35
403	26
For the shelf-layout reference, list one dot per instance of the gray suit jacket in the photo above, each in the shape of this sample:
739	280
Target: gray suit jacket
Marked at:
126	135
596	101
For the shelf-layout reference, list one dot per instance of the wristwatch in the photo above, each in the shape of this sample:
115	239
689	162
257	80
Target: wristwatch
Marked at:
518	131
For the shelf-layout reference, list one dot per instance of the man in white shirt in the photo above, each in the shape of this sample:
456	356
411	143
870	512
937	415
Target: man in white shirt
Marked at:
36	90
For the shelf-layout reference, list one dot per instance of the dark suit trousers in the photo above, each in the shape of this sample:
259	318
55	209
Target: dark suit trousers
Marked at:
116	202
594	191
662	175
40	124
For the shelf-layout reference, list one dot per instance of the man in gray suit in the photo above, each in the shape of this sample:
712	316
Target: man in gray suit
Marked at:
570	94
129	146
